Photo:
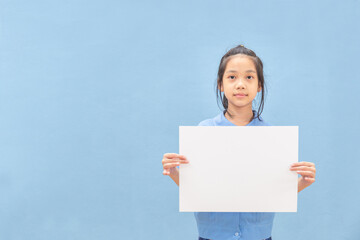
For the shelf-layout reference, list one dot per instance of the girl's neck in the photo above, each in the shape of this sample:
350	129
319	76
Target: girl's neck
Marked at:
240	117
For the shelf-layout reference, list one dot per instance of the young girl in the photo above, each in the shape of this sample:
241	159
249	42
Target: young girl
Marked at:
240	78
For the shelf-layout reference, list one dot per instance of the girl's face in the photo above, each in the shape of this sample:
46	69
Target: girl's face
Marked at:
240	82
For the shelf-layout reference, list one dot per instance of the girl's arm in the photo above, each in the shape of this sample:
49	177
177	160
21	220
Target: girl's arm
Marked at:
307	171
170	163
175	176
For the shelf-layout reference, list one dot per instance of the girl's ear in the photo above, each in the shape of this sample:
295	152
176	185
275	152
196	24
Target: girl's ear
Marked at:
259	88
221	87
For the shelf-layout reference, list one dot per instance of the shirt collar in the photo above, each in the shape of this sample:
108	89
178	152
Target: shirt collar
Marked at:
221	120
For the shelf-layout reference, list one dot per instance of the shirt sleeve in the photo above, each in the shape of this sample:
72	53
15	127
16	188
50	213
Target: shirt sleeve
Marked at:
207	122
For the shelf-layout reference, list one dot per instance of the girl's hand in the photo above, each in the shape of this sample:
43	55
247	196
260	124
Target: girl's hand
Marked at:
307	171
171	160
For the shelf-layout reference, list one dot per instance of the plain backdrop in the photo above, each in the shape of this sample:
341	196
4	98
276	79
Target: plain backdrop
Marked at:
92	94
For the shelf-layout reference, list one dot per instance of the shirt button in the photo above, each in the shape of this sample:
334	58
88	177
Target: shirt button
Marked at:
236	234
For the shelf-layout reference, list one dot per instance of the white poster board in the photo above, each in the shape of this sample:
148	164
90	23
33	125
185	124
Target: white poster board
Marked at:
238	168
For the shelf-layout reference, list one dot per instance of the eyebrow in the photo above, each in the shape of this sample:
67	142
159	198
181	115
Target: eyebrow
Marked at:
230	71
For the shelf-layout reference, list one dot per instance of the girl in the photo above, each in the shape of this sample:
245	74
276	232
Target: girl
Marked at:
240	78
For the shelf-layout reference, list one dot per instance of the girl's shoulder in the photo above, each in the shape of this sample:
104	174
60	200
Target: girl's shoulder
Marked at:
207	122
211	121
218	120
259	121
262	122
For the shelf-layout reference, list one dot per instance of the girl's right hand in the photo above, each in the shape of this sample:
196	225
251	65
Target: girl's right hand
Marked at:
171	161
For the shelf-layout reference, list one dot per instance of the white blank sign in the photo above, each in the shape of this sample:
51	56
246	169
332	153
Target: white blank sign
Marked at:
238	168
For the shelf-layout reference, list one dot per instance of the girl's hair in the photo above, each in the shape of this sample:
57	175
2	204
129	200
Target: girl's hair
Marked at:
240	49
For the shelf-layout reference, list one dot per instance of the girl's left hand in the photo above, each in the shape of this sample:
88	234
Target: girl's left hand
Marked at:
307	171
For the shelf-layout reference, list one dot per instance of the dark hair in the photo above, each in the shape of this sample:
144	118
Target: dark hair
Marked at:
240	49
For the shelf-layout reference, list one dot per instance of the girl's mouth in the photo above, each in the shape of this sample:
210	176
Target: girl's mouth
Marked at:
240	95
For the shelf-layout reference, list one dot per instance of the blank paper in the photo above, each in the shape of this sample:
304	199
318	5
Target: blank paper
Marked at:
238	168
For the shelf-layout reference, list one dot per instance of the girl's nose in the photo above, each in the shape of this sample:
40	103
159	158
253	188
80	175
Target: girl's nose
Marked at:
240	84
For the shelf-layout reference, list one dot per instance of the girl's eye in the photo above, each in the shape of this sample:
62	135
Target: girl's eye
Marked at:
250	77
232	77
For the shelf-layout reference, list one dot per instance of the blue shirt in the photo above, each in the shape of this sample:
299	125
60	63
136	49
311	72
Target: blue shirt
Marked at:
234	225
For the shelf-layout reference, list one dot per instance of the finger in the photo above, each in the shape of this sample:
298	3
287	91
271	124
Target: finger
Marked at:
174	155
166	172
170	165
303	168
309	164
182	157
166	160
309	179
306	174
170	155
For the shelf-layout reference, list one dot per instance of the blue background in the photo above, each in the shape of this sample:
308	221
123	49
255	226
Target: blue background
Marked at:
92	94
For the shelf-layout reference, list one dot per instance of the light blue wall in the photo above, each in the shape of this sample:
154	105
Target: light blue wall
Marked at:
92	94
